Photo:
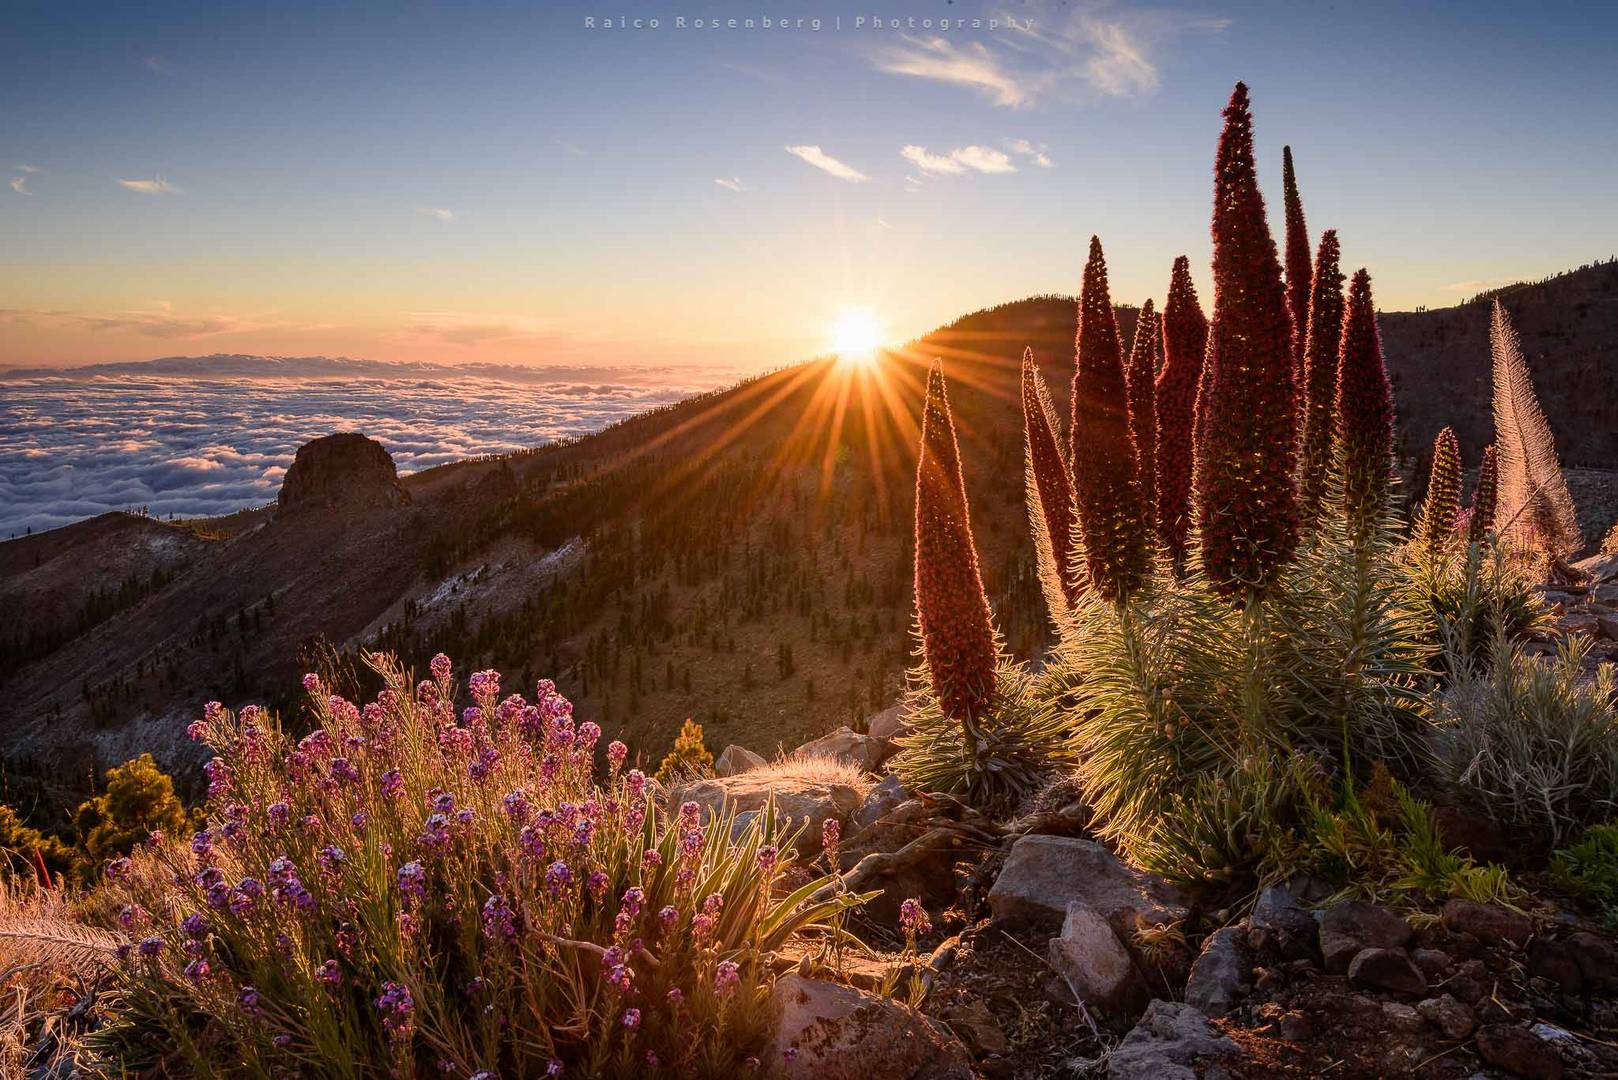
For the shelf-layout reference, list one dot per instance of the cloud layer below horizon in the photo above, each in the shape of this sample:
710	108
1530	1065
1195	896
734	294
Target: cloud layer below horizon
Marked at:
74	448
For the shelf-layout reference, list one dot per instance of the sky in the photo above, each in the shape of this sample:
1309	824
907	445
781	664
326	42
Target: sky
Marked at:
547	184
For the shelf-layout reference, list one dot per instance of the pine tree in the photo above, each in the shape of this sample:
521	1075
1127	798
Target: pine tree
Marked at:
1185	340
1442	508
1141	379
1298	271
1535	505
957	637
1246	495
1485	498
1319	399
1364	409
1111	514
1050	489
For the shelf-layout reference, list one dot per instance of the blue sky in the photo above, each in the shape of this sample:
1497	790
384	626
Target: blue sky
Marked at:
500	182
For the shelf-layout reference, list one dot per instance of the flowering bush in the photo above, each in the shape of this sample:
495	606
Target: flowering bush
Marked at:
409	890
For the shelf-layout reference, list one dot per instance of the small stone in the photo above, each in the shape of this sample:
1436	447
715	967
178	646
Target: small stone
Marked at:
1043	874
736	760
975	1024
1403	1018
887	724
1220	975
1449	1016
1280	920
1170	1041
1094	962
882	800
1434	963
1294	1027
849	746
1390	970
1519	1051
1487	922
1556	961
1598	959
1348	928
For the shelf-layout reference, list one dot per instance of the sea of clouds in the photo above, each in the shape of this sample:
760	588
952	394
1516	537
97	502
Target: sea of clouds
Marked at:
73	446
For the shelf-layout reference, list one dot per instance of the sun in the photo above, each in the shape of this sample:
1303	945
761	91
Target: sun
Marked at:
855	335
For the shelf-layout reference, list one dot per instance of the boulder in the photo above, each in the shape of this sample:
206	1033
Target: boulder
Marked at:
346	469
887	724
1389	970
1279	920
1221	975
1487	922
1094	962
827	1031
883	799
736	760
865	752
1348	928
1045	874
1171	1039
1454	1020
1520	1052
799	799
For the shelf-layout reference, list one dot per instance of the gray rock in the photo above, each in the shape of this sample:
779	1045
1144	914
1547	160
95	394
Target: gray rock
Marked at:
834	1032
1221	975
1487	922
736	760
1044	874
887	724
1348	928
1519	1051
1094	962
1280	920
1390	970
845	744
798	799
1167	1044
1402	1018
1449	1016
882	800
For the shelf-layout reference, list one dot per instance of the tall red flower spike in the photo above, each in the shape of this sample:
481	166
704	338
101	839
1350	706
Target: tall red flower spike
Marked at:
1364	412
1185	338
1298	270
957	638
1051	477
1485	498
1141	377
1319	399
1246	494
1111	513
1442	508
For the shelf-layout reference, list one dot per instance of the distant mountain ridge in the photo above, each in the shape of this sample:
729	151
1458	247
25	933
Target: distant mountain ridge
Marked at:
251	366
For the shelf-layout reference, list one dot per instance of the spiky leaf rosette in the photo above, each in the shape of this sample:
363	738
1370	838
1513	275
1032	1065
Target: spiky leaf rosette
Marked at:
1299	275
1111	513
1246	494
1050	491
1442	509
1185	339
1535	505
1319	399
1364	412
957	637
1141	378
1485	498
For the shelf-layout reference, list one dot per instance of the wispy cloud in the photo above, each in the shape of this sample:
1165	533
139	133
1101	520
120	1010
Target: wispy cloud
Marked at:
28	169
19	184
817	157
732	183
1049	51
161	321
1024	148
157	65
962	159
155	186
439	212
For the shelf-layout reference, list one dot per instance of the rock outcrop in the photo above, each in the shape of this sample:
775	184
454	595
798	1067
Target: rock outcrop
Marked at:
347	469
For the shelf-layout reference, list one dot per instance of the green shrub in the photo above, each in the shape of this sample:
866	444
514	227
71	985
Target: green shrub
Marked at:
404	893
139	801
990	762
1588	872
24	849
1533	744
690	757
1473	593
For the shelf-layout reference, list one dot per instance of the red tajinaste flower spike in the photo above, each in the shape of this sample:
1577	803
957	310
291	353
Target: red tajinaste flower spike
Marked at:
1111	512
1298	269
1185	340
1141	378
1364	412
1246	494
1485	498
1319	404
1050	478
1442	508
957	637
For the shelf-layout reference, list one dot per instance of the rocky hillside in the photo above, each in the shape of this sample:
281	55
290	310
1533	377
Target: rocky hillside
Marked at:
742	558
